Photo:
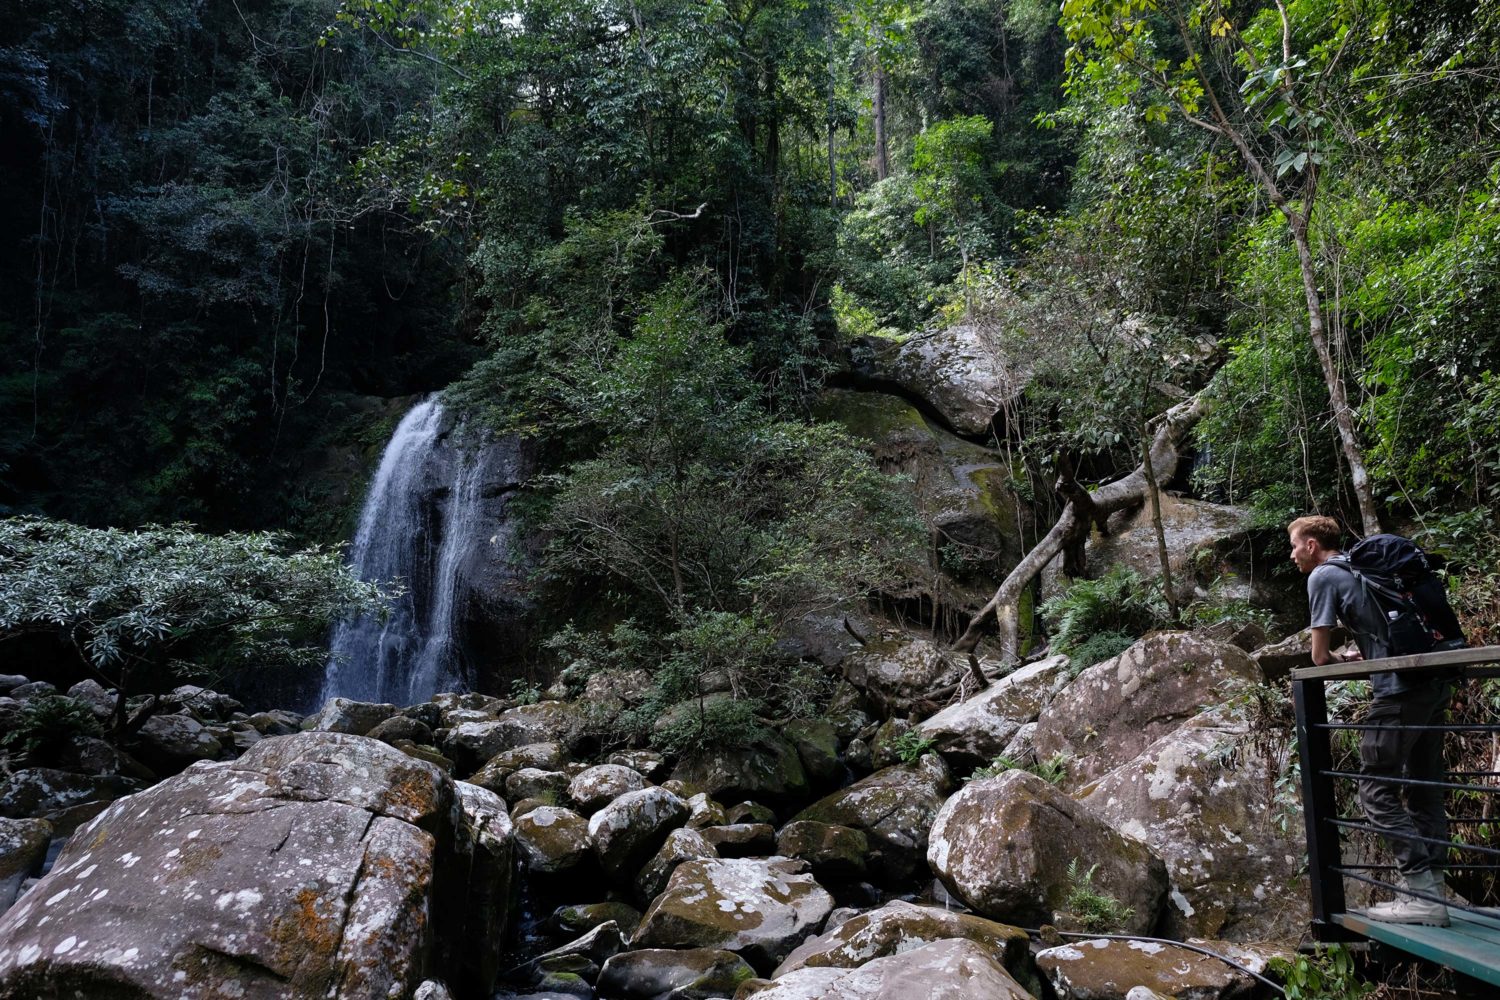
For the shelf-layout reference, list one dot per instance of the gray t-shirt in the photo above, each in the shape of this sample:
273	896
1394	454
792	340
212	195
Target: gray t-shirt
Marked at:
1335	594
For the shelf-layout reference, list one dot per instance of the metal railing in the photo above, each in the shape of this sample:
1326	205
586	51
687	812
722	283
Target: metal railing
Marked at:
1326	829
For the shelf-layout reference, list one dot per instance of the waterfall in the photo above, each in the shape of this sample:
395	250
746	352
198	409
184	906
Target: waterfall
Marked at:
422	513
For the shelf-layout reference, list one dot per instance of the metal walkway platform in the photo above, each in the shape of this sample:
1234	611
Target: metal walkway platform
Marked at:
1471	944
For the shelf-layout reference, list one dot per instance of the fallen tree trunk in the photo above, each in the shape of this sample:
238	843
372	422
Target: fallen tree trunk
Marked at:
1083	510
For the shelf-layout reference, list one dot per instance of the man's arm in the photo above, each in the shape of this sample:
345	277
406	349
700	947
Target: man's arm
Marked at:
1322	652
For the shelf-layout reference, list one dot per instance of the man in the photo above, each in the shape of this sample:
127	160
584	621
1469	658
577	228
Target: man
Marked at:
1337	592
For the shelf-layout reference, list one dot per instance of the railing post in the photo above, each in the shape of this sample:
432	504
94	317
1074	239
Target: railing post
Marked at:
1315	749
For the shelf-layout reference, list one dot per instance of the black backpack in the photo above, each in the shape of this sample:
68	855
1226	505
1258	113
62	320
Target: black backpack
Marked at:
1398	564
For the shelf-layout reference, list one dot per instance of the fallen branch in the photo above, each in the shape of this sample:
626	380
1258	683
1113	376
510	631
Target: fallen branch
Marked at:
1072	528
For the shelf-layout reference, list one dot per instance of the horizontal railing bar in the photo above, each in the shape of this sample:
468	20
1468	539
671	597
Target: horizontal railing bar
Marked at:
1368	828
1397	727
1478	911
1359	669
1388	780
1450	819
1455	867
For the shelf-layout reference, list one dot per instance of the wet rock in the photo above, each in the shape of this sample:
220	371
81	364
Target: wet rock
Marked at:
972	733
761	909
1205	800
602	784
534	783
894	808
169	743
741	840
1004	844
23	845
681	845
579	920
833	852
1100	969
552	839
900	926
953	969
1118	708
896	674
628	831
679	973
817	746
344	715
581	958
542	756
401	727
306	866
769	768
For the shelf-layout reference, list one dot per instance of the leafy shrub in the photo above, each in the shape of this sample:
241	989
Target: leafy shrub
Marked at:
1095	910
1327	974
47	724
1053	770
718	725
911	746
1119	602
1097	648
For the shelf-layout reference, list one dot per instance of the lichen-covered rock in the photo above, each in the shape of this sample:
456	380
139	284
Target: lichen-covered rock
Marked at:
748	812
952	969
56	795
817	745
204	703
552	839
344	715
305	868
704	811
899	926
99	699
628	831
581	958
401	727
833	852
578	920
277	722
602	784
534	783
1207	544
471	744
679	973
761	909
741	840
617	689
897	673
1003	845
644	762
23	845
484	841
894	808
169	743
1100	969
769	768
972	733
681	845
1205	800
1118	708
542	756
959	370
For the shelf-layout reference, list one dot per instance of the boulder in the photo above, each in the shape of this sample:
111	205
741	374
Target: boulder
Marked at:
577	920
9	682
682	974
602	784
616	689
628	831
581	958
1208	546
1207	800
761	909
471	744
769	768
681	845
33	689
748	812
169	743
60	797
972	733
401	727
542	756
305	868
99	699
894	808
740	840
276	723
552	839
644	762
704	811
344	715
896	674
534	783
961	371
833	852
23	847
817	746
953	969
485	841
204	703
1100	969
899	926
1004	846
1118	708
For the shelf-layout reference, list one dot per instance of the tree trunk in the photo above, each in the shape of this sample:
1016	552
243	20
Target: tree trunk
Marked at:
1074	523
882	156
1153	490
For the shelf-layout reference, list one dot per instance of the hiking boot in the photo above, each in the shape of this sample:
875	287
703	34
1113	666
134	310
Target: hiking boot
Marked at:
1412	910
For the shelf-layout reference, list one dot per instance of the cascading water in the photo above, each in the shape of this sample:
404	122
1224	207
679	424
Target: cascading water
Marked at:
419	518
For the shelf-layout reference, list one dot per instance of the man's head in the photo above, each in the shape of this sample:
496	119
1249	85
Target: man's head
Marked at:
1314	539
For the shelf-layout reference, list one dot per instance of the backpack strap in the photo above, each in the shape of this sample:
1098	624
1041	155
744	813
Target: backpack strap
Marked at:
1373	590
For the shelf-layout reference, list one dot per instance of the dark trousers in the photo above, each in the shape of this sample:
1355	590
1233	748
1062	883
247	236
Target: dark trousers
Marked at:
1406	754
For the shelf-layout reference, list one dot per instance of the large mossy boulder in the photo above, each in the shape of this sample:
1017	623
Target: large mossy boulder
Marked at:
758	908
1100	969
1116	709
894	808
952	969
472	744
601	784
897	674
959	370
1012	847
553	839
628	831
1210	801
23	845
678	973
900	926
972	733
769	768
307	868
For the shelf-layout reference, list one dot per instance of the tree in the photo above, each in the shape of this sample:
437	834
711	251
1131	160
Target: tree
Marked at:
952	186
130	602
1248	84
